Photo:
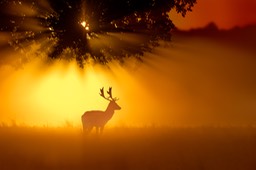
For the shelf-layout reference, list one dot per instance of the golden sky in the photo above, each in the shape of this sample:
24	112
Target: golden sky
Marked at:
226	14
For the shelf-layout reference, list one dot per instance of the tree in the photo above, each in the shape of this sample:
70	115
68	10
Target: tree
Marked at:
97	29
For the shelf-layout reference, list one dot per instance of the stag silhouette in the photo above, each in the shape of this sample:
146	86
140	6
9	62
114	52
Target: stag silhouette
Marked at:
99	119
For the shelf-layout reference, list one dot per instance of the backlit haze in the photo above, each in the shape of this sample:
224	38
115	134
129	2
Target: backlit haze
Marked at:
190	81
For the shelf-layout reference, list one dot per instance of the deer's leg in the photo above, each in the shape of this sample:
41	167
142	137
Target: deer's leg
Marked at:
97	129
101	129
89	129
84	128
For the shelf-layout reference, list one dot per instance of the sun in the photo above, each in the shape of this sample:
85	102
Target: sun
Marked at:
85	25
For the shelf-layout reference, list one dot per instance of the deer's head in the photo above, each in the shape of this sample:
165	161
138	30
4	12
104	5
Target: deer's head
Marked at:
112	101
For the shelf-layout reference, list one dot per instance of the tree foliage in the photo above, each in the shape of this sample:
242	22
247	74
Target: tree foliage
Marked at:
99	29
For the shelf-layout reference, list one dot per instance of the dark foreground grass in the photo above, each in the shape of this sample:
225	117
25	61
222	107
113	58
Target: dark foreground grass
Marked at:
128	148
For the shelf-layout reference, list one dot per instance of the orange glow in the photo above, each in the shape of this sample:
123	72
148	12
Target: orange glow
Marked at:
194	81
226	14
59	94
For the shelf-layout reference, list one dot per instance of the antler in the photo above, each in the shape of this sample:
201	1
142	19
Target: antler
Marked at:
109	92
102	93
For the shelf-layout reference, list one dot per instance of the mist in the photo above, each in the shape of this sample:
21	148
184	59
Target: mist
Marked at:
190	81
200	81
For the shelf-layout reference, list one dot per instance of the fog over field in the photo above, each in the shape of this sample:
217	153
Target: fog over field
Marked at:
197	79
191	104
128	148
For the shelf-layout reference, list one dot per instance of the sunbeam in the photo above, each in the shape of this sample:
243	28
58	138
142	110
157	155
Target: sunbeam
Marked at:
72	24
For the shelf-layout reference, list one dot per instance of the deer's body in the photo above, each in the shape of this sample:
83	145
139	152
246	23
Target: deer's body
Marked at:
97	118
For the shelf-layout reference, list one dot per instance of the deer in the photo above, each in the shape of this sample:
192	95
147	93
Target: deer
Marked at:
97	118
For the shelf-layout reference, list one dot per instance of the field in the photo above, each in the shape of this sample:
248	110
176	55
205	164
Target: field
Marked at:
204	148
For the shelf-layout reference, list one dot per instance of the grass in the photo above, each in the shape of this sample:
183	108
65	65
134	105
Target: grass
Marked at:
27	148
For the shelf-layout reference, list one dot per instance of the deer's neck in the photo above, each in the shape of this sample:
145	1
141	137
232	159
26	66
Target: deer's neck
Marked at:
109	111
